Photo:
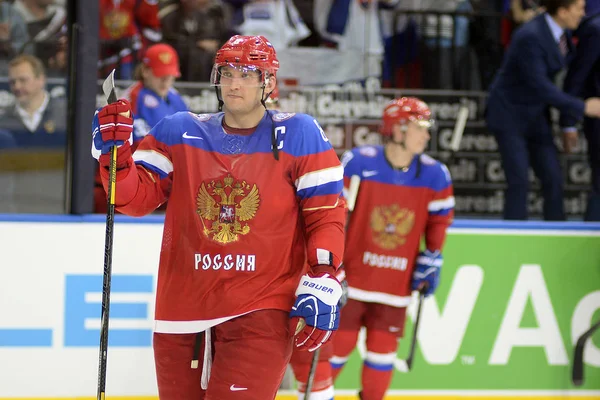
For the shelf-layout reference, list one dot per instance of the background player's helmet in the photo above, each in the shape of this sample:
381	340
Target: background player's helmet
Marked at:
247	53
402	111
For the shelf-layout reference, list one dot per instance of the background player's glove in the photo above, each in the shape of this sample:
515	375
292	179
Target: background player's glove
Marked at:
113	125
316	313
427	271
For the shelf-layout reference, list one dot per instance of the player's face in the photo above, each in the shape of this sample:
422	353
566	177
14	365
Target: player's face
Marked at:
159	85
571	16
417	138
24	84
241	88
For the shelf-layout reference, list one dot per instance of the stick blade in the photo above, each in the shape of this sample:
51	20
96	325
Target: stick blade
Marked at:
108	88
577	376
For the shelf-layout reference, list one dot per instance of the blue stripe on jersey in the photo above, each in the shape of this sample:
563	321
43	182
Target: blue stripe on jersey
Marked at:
379	367
152	168
441	212
321	190
299	135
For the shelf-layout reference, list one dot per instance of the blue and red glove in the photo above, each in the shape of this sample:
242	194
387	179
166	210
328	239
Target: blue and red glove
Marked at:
426	275
113	126
316	312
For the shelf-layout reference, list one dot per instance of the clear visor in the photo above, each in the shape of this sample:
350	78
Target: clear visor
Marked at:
233	74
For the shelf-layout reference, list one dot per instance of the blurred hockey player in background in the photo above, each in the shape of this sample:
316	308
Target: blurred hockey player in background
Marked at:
404	195
254	195
126	27
152	98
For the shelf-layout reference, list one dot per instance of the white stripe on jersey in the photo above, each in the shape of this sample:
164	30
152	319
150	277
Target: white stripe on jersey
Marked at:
438	205
378	297
320	177
155	159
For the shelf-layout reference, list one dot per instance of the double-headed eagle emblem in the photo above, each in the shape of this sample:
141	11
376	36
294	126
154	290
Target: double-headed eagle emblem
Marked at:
227	204
390	225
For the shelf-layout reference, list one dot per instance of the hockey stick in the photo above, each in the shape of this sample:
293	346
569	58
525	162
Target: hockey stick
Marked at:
406	365
457	133
108	87
350	202
577	376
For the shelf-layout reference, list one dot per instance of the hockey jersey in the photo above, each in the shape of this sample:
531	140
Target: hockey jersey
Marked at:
239	225
394	209
126	18
149	108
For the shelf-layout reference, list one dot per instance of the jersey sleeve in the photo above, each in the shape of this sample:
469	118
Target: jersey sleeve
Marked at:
145	184
440	209
318	177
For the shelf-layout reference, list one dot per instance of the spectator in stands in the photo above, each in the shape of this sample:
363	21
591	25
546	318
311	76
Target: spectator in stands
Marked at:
36	119
445	51
127	27
13	34
152	98
517	111
196	29
524	10
583	80
46	26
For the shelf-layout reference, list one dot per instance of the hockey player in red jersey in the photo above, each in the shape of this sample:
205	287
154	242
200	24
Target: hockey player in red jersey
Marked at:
404	195
253	196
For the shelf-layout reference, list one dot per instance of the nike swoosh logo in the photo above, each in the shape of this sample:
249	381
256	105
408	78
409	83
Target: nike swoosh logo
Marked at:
366	174
186	136
233	388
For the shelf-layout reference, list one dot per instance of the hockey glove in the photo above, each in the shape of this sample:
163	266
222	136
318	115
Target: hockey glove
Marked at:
113	126
316	313
426	275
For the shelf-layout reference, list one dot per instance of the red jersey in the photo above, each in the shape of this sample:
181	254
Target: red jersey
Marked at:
126	18
239	225
394	209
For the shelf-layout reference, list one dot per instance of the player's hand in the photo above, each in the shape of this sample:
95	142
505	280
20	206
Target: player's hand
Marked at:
316	312
570	141
113	126
426	275
592	107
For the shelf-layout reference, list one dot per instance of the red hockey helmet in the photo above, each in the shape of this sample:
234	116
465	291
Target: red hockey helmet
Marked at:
404	110
247	53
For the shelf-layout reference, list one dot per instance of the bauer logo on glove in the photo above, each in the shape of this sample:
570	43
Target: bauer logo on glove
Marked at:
316	313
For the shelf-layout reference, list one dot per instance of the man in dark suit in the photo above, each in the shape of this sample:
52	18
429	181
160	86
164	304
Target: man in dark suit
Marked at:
518	105
583	80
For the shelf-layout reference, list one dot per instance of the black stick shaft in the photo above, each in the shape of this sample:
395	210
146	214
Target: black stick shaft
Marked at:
108	251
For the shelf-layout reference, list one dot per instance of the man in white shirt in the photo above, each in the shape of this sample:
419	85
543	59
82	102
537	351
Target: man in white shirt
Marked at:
36	119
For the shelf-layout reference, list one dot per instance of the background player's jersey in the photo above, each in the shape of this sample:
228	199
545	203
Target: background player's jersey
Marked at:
148	108
126	18
234	240
393	210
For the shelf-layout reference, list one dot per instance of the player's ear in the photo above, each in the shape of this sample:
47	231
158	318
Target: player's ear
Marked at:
271	84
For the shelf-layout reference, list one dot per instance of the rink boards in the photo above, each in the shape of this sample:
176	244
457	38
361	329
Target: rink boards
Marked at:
514	298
